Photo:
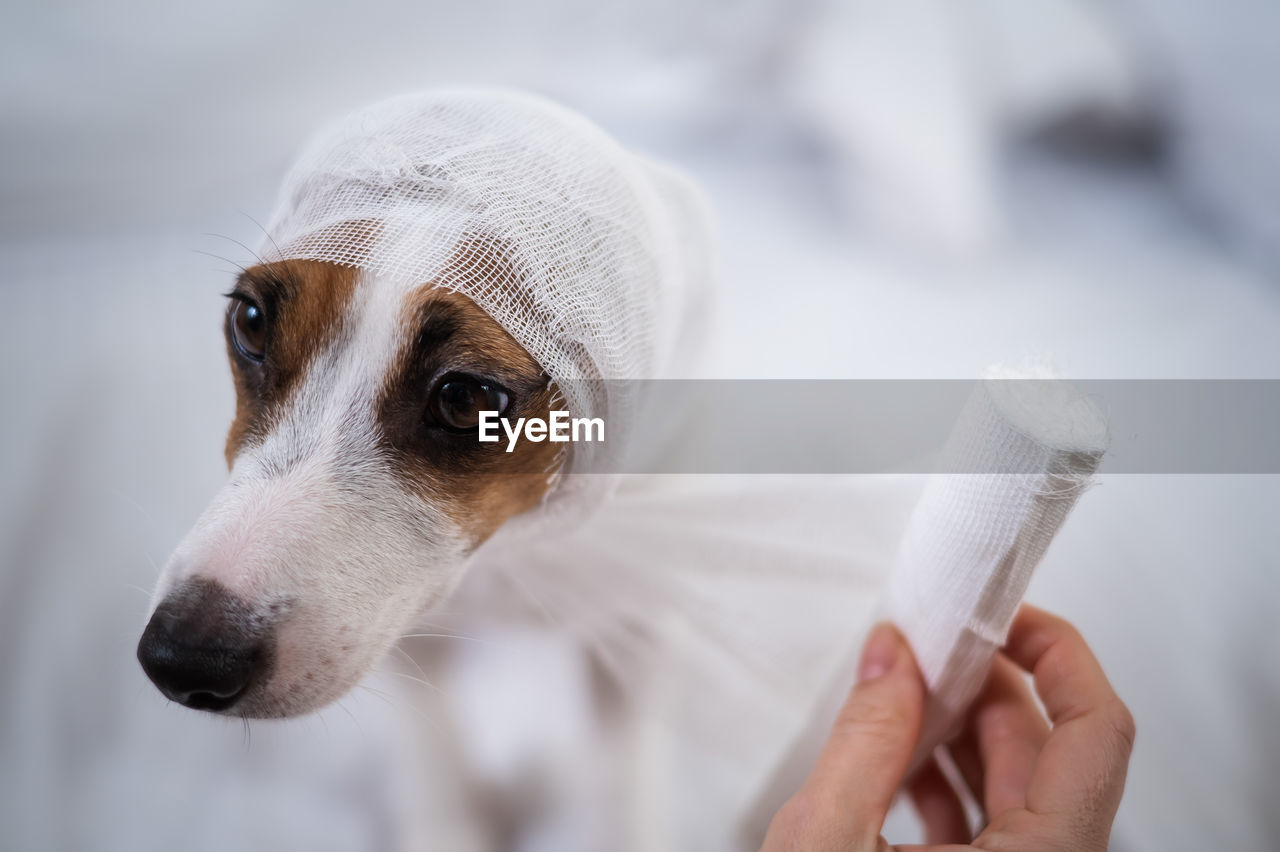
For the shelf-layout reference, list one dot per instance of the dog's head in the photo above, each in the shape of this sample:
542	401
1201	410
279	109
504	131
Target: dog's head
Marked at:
358	487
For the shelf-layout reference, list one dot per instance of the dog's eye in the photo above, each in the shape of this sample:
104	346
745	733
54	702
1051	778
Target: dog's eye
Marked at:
457	400
249	329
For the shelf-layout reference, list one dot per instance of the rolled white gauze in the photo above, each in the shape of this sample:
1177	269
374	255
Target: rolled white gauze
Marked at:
1022	452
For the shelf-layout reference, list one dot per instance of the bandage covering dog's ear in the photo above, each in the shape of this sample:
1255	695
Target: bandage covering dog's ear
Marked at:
594	259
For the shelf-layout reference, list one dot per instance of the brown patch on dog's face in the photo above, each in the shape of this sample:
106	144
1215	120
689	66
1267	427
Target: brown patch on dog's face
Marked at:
479	485
308	308
303	305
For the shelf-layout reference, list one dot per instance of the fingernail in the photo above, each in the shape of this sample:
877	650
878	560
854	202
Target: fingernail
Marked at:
880	652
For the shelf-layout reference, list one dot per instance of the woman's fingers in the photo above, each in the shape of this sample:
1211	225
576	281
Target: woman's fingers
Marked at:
997	750
1081	769
1010	731
844	802
867	754
968	760
1040	787
938	806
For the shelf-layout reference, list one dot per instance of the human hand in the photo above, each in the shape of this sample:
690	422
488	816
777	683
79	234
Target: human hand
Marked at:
1044	785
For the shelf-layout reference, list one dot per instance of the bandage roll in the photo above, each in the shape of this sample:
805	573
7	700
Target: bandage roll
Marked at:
1023	451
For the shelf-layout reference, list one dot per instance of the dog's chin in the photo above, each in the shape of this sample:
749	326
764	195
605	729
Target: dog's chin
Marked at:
267	705
288	695
299	687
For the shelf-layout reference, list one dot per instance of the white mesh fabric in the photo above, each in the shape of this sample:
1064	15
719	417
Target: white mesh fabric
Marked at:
1018	459
975	539
594	259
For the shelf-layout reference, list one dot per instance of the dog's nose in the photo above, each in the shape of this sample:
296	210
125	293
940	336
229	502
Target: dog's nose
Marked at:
200	649
204	676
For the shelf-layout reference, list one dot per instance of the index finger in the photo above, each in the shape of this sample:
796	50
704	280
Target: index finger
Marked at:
869	748
1082	768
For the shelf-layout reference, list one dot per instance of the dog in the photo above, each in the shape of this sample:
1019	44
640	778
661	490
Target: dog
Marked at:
439	264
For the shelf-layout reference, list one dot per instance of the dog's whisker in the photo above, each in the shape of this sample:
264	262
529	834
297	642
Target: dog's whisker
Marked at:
416	680
265	232
136	587
436	625
257	256
448	636
238	266
352	716
150	520
403	706
325	724
411	660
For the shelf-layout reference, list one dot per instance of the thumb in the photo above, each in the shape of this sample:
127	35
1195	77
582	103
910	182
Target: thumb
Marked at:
869	750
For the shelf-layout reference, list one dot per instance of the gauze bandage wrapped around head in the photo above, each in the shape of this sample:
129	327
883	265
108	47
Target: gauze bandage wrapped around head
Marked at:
594	259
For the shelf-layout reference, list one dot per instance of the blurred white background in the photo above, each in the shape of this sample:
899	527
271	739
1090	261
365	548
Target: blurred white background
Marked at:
905	188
